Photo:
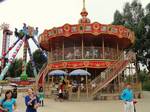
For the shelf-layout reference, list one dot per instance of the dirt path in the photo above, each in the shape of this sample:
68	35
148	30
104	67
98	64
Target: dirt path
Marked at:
143	105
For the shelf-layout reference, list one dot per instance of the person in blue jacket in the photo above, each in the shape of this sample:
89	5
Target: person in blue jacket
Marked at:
31	101
127	98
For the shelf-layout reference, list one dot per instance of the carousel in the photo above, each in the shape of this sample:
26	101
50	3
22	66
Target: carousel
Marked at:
89	54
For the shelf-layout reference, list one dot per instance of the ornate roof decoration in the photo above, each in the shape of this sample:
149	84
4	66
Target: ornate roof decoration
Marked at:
84	14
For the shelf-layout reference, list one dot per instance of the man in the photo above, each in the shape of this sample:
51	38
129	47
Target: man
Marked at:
127	97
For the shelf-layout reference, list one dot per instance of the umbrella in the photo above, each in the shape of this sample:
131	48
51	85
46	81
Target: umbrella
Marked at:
79	72
57	73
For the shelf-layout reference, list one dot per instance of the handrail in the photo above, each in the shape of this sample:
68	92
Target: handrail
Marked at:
74	53
120	58
45	64
112	71
108	69
41	70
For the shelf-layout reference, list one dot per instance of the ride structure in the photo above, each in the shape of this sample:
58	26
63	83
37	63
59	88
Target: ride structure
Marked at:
97	48
23	35
5	43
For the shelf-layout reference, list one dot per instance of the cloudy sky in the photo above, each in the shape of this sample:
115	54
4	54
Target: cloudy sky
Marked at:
49	13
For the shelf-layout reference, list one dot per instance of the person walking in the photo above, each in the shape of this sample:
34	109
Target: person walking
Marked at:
31	101
15	93
127	97
8	104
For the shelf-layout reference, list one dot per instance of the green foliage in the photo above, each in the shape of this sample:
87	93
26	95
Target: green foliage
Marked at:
134	18
118	19
148	8
146	85
39	60
16	68
30	69
24	76
143	76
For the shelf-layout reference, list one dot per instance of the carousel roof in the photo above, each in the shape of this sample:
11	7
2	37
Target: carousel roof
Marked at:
124	36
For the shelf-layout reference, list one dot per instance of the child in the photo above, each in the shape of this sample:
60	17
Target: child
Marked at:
41	96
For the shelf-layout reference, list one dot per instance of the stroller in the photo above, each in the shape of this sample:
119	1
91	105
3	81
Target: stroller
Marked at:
61	96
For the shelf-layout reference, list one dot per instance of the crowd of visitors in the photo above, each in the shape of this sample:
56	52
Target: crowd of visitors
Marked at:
33	100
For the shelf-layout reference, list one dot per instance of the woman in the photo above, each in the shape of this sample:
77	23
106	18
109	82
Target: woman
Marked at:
31	101
8	104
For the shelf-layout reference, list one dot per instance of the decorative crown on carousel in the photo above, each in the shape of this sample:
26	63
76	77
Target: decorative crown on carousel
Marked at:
84	14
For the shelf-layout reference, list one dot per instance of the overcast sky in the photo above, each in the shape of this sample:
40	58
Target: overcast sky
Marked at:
46	14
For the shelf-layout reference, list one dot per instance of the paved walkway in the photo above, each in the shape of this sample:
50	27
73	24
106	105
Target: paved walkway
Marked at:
143	105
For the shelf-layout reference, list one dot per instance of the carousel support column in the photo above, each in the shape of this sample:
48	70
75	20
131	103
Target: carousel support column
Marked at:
51	54
48	84
63	48
82	47
103	48
51	84
132	78
78	93
117	50
48	81
52	79
129	72
74	53
119	82
87	92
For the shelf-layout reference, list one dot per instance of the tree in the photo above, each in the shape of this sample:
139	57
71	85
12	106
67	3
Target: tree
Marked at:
148	8
39	60
133	18
30	69
15	69
143	76
118	19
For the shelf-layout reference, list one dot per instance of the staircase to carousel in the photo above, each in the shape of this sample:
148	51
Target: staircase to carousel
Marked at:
109	74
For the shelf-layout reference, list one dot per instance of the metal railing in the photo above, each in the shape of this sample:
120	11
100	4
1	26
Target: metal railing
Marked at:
44	67
75	53
111	72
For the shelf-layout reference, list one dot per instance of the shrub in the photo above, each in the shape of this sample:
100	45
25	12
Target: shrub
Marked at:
146	85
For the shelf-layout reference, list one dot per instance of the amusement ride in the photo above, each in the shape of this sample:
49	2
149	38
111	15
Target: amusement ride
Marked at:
91	49
96	48
23	35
